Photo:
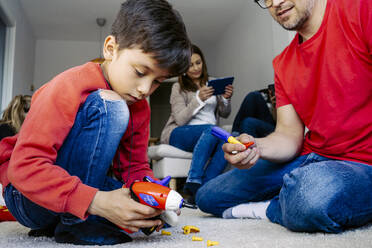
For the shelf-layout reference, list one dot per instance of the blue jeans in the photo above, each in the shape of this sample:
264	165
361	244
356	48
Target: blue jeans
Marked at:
256	127
312	193
254	117
87	153
199	140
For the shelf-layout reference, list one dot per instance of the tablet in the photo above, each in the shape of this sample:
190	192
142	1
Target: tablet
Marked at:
219	84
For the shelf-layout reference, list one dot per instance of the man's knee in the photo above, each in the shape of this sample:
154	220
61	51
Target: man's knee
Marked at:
308	196
203	199
200	198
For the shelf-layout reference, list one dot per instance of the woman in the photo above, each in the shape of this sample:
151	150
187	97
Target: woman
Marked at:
14	115
195	110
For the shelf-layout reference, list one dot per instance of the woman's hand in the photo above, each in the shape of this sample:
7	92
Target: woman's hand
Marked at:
229	89
119	208
239	156
205	92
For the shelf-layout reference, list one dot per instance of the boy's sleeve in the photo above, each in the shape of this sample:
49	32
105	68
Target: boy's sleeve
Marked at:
32	169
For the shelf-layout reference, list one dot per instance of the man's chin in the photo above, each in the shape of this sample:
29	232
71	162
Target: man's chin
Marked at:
289	27
293	25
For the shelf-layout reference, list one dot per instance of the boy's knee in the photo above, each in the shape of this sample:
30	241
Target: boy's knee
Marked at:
110	95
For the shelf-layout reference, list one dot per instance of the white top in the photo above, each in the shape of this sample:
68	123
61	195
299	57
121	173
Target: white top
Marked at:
205	113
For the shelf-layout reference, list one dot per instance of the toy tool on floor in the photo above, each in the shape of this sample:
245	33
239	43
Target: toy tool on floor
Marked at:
154	194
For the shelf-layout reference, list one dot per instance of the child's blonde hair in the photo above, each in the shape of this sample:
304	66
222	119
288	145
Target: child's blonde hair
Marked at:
15	113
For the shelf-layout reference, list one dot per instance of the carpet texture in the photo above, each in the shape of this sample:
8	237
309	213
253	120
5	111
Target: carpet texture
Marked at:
229	233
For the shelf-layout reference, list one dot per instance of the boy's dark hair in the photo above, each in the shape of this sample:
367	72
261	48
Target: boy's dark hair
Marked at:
156	28
185	82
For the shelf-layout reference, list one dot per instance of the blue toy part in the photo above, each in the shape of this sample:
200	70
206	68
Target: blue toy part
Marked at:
149	199
220	133
163	182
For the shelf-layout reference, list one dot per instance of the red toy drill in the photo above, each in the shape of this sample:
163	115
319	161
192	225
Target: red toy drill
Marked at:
152	193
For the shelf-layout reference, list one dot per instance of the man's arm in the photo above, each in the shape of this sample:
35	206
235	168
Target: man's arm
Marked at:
280	146
286	141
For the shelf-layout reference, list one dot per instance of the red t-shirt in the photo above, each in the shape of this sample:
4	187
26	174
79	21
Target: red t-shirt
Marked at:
28	160
328	80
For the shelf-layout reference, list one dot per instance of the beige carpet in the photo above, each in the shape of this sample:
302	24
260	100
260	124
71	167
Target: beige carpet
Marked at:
229	233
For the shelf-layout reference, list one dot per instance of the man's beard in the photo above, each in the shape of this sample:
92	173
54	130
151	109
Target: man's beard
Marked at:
300	20
296	25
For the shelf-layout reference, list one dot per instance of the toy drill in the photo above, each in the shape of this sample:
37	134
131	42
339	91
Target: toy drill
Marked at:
156	195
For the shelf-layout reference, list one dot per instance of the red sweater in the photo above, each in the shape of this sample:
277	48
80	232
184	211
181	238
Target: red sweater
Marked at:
27	160
328	80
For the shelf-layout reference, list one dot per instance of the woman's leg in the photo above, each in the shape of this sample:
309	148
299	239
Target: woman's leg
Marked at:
328	196
203	151
196	139
217	163
186	137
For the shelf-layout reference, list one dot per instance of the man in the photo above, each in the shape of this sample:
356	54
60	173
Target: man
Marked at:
321	181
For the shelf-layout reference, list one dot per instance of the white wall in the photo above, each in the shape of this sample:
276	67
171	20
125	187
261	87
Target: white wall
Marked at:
281	37
23	55
246	50
53	57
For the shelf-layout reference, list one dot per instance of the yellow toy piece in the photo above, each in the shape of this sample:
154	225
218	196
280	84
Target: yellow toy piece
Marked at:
190	229
212	243
194	238
165	233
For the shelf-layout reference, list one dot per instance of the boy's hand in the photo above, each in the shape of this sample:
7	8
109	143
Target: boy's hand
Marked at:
205	92
239	156
229	89
119	208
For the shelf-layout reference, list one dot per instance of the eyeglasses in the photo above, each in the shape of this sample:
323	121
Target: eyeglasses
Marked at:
265	4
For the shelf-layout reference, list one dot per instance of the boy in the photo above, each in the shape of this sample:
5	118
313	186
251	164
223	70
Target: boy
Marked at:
87	118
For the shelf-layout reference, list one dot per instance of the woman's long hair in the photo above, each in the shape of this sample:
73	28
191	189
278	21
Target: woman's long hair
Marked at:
185	82
15	113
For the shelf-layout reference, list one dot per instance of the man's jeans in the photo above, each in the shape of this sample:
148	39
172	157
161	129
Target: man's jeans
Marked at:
87	153
199	140
312	193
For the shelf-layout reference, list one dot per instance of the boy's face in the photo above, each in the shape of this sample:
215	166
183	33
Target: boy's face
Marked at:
132	73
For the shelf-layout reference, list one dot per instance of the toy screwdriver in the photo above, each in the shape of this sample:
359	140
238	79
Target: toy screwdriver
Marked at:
156	195
226	136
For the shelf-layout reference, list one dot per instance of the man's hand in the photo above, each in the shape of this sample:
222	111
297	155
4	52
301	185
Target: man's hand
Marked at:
119	208
239	156
205	92
229	89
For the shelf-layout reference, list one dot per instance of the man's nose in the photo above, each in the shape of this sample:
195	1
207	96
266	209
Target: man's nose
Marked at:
277	2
